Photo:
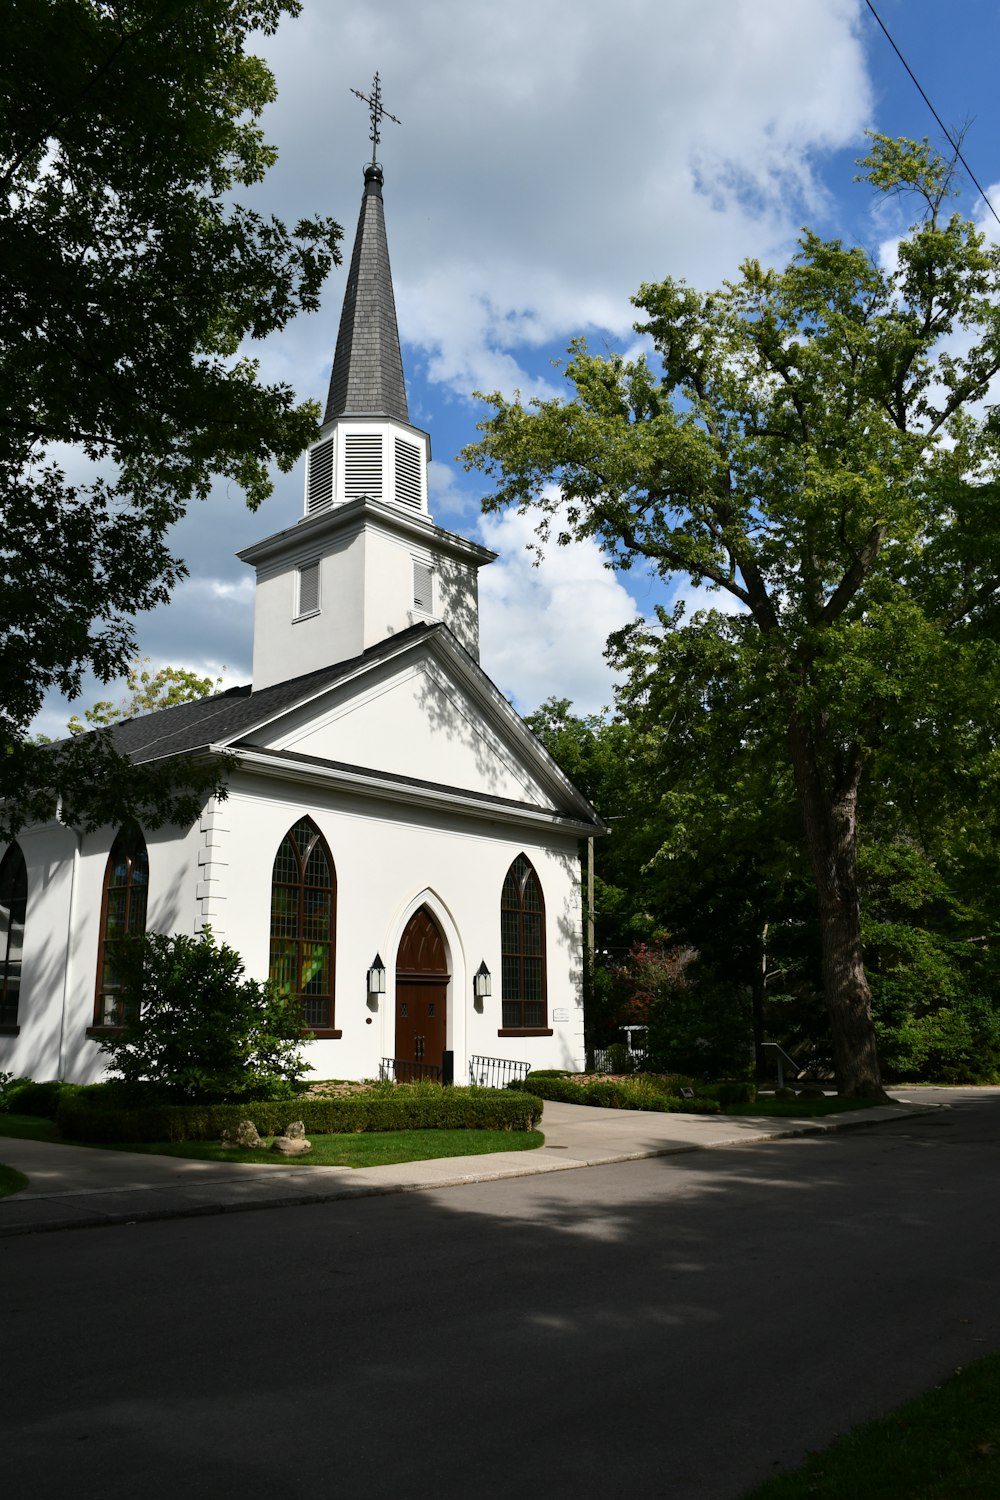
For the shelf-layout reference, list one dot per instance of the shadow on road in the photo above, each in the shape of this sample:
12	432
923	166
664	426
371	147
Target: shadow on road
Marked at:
677	1327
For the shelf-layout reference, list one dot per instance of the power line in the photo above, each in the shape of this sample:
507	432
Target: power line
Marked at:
947	133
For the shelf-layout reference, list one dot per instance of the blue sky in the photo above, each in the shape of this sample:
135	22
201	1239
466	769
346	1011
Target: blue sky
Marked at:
552	156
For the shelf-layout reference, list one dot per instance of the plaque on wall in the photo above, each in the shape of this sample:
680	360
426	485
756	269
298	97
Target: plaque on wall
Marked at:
560	1015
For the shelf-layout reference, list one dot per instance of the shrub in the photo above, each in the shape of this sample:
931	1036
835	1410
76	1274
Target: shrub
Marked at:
626	1093
619	1058
197	1028
733	1091
91	1115
9	1085
25	1097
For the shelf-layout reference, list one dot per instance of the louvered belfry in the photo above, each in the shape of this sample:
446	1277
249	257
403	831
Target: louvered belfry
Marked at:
367	378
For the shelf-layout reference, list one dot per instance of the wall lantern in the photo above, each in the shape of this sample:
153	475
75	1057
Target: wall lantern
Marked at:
376	979
482	983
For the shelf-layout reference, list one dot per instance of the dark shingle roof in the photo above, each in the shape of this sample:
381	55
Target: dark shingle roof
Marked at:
189	727
367	378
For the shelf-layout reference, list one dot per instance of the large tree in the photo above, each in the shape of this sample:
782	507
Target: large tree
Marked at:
814	445
133	279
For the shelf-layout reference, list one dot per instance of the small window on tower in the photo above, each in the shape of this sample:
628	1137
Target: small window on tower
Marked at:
407	473
308	600
423	587
319	484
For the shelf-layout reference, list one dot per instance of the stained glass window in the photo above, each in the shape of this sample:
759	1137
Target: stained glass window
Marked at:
522	948
303	913
126	885
13	906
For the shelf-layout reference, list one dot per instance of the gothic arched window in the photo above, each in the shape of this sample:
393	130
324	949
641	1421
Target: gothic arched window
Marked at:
13	906
123	915
303	924
522	948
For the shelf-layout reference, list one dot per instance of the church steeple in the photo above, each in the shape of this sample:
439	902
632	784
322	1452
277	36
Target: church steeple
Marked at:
367	378
365	561
367	447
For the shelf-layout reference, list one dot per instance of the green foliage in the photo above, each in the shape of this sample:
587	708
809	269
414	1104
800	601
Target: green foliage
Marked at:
23	1096
620	1060
7	1081
145	693
93	1116
810	442
197	1029
698	1024
733	1091
134	278
641	1092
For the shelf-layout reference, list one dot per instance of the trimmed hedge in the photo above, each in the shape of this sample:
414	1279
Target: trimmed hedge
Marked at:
633	1093
735	1091
417	1106
25	1097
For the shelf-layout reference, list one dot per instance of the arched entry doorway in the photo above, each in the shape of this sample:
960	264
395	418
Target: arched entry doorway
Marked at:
421	995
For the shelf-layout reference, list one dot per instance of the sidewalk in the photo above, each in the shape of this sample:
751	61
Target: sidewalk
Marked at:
73	1187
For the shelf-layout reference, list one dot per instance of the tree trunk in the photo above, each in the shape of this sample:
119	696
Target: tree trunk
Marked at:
830	815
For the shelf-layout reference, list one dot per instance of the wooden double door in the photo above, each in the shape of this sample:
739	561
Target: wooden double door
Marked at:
421	994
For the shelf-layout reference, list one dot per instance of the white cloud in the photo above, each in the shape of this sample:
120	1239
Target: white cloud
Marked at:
552	157
543	628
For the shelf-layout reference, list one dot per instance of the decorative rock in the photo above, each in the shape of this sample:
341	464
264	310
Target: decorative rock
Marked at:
296	1131
785	1093
244	1136
812	1091
288	1145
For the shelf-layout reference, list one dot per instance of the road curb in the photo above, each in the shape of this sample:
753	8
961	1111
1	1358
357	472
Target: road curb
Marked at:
103	1218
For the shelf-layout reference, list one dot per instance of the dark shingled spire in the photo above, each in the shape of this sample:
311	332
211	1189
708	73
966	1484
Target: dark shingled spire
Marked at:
367	377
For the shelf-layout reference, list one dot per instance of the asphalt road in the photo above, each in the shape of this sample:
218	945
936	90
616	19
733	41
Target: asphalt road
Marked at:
678	1327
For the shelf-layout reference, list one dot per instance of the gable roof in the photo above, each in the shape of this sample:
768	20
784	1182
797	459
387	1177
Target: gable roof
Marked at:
223	718
237	718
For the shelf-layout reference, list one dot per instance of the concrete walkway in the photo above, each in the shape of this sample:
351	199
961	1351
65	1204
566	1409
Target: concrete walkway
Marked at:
73	1187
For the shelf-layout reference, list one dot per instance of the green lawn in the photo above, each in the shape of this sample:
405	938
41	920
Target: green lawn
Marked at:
28	1128
11	1181
374	1149
943	1446
365	1149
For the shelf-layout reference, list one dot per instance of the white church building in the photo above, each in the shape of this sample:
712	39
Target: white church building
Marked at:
396	847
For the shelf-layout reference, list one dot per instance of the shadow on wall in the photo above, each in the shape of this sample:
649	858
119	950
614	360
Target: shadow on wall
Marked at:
54	1044
569	925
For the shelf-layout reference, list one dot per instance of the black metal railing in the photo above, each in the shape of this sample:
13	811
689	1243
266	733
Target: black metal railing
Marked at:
401	1070
496	1072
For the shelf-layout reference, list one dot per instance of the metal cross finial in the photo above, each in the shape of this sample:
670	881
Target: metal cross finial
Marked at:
374	102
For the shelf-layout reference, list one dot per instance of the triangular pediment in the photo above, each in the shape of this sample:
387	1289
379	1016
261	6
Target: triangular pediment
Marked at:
429	714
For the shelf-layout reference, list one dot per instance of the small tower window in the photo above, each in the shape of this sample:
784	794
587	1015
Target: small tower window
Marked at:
423	587
363	465
408	474
319	485
308	601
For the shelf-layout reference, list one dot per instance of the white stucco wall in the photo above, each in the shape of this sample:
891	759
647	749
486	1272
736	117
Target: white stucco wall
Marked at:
365	590
389	859
61	936
410	718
